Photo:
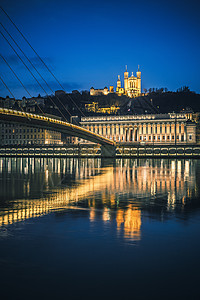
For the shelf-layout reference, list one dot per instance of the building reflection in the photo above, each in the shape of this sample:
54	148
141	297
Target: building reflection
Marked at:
32	187
130	222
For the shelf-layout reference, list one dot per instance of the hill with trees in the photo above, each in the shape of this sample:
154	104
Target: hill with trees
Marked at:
167	101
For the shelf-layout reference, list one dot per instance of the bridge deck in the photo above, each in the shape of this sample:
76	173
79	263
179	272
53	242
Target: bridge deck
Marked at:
35	120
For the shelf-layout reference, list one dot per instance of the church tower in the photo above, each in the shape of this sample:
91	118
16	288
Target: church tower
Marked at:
118	82
139	80
125	80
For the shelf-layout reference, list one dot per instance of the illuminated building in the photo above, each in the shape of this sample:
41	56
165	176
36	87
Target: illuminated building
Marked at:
94	107
96	92
153	128
132	86
15	134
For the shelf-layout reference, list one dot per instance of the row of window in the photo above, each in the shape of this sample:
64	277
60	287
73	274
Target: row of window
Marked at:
22	137
22	142
159	138
17	130
142	129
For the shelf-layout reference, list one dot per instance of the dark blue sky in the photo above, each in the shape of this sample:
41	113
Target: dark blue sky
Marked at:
88	43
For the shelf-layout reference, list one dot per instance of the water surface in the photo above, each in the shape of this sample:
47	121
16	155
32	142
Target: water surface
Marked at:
87	228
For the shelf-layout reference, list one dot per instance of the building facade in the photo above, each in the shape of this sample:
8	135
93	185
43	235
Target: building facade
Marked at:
94	107
145	129
132	86
15	134
98	92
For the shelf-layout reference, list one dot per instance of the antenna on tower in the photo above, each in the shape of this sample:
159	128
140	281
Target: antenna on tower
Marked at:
138	68
126	68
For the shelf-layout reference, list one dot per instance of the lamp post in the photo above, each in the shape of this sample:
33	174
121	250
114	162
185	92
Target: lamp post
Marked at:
175	130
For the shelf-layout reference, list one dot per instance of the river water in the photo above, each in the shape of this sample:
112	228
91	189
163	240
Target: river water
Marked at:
99	229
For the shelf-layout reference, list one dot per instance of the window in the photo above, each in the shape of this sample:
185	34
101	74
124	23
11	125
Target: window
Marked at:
190	137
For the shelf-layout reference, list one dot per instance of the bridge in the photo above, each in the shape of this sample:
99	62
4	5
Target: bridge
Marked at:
9	115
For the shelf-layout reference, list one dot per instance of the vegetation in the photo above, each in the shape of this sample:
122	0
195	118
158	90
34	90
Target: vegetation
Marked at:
167	101
155	101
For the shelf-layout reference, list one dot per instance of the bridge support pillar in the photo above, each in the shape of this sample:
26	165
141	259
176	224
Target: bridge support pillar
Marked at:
108	151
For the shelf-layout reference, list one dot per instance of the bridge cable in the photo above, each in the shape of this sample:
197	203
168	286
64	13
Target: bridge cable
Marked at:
34	68
11	93
19	79
40	59
32	75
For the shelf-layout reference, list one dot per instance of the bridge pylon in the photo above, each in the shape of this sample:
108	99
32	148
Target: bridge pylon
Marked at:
108	151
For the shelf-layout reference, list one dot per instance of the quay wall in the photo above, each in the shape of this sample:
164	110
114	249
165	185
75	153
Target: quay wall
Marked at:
128	150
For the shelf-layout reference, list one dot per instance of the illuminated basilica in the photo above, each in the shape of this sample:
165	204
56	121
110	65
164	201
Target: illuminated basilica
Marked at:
132	86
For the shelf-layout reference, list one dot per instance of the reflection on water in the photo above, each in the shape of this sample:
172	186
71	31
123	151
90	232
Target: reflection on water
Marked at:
119	193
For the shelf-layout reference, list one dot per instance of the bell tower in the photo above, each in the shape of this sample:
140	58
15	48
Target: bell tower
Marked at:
118	82
126	80
139	80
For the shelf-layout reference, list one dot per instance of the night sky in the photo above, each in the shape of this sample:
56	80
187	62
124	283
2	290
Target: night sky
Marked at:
88	43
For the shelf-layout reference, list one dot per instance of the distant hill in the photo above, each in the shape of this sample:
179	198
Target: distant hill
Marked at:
154	102
175	101
73	104
76	101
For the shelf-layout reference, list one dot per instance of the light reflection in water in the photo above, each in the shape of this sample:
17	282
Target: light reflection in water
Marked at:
119	192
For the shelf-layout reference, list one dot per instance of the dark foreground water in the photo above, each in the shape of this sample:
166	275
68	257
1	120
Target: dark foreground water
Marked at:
92	229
